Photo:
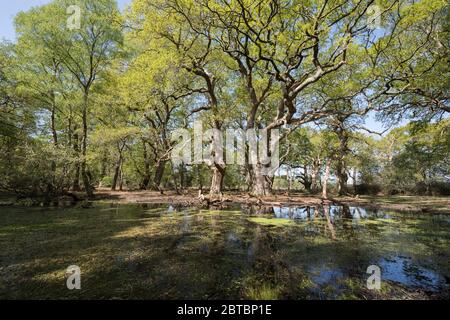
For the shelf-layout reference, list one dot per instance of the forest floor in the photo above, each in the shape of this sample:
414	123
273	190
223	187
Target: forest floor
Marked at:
190	197
425	204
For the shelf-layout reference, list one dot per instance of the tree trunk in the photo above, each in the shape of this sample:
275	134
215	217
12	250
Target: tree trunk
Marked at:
218	174
145	182
51	184
248	176
269	180
146	178
342	178
260	185
289	181
182	176
325	179
314	175
76	148
84	173
341	173
355	180
307	186
76	179
121	177
159	172
53	124
306	179
174	180
200	179
116	174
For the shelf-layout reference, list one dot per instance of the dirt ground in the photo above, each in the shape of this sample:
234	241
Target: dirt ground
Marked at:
191	197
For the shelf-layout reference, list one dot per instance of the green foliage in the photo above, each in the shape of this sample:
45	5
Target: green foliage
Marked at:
98	104
30	169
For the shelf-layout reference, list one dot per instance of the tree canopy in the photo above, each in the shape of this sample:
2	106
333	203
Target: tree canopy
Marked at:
96	105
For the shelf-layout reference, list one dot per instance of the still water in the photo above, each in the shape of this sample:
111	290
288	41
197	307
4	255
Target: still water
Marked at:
241	252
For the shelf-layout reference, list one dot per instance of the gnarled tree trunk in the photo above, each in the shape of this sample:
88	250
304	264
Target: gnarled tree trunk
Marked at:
218	173
342	178
159	172
260	183
315	175
325	179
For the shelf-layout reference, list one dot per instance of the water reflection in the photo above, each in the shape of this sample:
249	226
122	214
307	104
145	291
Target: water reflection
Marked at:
370	236
330	225
186	225
308	213
264	252
408	272
253	209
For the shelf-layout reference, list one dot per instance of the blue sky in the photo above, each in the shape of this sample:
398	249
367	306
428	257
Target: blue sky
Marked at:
8	9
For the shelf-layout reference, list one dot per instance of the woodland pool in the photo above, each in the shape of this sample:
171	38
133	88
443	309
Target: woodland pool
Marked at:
140	251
